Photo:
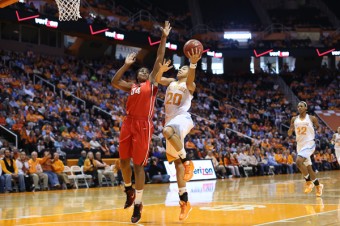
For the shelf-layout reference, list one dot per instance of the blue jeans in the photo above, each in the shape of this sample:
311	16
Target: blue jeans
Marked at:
2	184
8	182
52	178
290	169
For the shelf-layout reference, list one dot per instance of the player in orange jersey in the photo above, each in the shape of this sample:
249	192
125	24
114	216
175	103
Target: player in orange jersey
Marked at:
178	122
137	127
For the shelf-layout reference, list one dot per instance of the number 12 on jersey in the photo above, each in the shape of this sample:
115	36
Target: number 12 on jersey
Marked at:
301	130
174	99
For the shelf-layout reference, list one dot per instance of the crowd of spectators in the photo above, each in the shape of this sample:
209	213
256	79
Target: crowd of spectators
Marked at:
237	118
320	88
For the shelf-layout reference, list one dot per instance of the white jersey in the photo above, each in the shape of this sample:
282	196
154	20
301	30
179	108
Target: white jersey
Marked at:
304	129
337	140
177	100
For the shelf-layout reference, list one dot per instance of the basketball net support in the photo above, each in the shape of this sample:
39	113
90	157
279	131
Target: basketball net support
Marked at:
4	3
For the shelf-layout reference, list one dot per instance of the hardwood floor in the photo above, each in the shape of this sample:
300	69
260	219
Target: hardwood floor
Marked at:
267	200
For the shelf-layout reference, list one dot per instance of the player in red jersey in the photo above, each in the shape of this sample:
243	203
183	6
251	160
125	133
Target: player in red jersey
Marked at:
137	127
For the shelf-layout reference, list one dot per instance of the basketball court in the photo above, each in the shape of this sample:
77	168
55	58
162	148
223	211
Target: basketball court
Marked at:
266	200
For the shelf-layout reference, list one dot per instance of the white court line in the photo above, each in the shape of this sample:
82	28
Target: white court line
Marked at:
294	218
85	211
64	222
278	203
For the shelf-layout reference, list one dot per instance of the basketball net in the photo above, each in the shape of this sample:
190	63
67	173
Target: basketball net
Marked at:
68	9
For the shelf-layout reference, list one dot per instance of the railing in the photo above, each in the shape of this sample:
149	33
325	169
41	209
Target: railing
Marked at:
99	109
73	96
205	119
10	133
293	99
240	134
124	11
142	15
283	126
35	77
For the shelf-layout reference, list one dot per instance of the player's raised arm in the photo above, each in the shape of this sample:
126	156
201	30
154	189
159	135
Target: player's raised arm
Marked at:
333	139
161	50
117	80
159	76
291	128
315	122
194	57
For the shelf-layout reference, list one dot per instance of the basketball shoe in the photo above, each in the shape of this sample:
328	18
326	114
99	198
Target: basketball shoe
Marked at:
318	190
185	210
309	185
188	170
130	197
137	213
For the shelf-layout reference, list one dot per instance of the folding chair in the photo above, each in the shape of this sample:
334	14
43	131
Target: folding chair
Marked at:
80	178
246	169
70	175
271	170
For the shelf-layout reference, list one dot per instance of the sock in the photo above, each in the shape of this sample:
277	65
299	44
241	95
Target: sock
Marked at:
128	186
139	194
316	182
182	191
182	154
307	177
184	160
184	197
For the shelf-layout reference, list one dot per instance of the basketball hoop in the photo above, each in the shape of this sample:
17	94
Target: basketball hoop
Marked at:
68	9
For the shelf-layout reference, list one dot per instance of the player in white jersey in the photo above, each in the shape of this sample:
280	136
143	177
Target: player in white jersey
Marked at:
304	125
336	141
178	122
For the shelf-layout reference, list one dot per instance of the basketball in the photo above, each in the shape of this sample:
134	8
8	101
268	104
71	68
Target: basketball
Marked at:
191	44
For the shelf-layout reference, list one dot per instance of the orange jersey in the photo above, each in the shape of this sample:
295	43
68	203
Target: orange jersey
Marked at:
141	100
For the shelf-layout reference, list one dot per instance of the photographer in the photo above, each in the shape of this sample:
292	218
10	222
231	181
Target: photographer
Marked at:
157	172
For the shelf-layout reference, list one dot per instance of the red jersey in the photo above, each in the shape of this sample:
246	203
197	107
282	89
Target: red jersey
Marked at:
141	101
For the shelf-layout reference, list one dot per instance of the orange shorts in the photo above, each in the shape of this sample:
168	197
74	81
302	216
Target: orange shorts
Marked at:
134	140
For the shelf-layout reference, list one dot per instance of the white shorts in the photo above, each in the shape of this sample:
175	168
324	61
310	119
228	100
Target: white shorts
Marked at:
337	153
181	124
305	150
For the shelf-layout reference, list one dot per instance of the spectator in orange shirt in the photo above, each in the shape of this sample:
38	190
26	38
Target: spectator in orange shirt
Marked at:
74	134
46	165
266	145
209	146
66	134
288	161
58	168
318	161
105	129
189	145
36	172
233	168
219	169
31	142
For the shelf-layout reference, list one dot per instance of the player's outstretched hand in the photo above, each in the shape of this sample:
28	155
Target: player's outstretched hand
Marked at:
167	28
130	58
195	55
165	66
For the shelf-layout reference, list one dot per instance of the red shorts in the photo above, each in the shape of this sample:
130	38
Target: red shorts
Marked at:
134	140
